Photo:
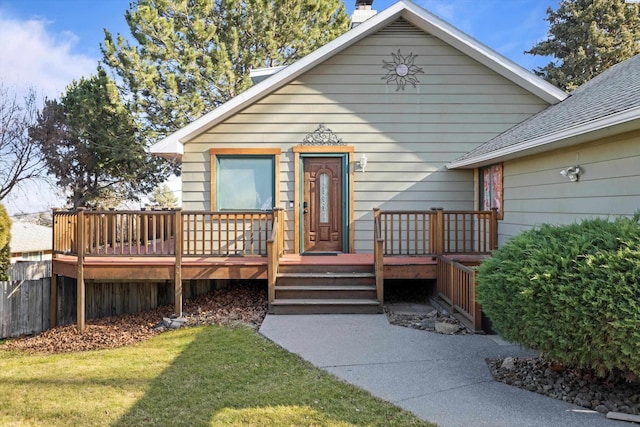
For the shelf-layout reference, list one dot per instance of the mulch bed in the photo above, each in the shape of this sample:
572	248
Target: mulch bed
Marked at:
241	303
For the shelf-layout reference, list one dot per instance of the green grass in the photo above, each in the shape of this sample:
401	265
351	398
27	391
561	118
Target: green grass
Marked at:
204	376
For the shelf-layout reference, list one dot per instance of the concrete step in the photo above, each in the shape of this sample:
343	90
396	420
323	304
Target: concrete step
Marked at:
325	306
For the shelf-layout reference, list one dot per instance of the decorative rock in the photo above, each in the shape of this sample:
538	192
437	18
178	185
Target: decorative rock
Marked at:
173	323
428	324
508	364
613	394
446	328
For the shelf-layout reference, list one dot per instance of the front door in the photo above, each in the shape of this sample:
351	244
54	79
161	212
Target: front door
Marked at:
322	204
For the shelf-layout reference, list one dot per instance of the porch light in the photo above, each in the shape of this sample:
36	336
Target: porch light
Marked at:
572	172
363	162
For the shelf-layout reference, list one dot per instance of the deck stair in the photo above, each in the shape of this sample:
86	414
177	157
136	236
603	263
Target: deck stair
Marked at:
325	289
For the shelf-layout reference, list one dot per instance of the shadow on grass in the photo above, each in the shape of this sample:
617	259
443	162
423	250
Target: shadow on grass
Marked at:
230	376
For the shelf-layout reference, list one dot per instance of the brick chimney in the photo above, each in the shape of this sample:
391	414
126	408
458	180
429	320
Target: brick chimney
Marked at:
362	12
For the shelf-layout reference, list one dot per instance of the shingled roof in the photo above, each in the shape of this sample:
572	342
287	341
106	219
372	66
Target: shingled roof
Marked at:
28	237
608	100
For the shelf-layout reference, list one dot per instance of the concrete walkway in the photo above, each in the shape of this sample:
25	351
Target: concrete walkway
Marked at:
440	378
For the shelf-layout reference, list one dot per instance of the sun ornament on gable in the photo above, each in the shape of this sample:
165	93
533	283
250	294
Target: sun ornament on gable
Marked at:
322	136
402	70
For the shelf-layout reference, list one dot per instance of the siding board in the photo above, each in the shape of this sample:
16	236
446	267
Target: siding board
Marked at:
536	193
408	136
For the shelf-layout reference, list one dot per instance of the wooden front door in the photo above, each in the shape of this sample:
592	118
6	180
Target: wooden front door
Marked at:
322	204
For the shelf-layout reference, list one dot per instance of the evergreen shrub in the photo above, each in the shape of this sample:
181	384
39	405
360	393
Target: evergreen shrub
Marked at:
572	292
5	239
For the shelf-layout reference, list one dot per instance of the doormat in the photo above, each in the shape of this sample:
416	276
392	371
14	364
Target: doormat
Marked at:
319	254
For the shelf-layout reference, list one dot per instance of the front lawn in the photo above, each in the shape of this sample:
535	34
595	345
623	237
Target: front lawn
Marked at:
210	375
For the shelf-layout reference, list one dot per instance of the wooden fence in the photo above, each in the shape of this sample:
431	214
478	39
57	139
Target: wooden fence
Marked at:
24	301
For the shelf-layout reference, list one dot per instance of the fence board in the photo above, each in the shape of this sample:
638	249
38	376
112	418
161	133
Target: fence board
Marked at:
31	270
24	307
5	309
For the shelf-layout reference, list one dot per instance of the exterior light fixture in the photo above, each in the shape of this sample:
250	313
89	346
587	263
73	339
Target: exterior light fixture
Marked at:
363	162
572	172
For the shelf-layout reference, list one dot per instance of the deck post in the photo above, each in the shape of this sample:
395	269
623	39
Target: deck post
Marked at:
80	285
53	300
493	229
376	220
439	231
450	285
53	292
378	255
177	249
475	307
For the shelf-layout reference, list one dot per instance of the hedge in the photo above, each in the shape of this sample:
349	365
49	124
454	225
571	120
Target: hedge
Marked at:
572	292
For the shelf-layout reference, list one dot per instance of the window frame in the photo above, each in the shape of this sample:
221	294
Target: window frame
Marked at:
481	192
214	153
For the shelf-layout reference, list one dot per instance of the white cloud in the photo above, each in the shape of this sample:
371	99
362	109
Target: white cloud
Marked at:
34	57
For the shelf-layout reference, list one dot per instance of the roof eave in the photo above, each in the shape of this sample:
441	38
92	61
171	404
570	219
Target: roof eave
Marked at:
614	124
485	55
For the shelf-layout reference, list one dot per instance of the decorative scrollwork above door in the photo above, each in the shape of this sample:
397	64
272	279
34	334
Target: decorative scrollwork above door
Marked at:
322	136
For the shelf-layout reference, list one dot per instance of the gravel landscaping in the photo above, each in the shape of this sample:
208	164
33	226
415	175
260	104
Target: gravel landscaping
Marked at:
578	386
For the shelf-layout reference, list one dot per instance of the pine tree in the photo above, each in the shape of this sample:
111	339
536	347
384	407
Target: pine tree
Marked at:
89	144
586	37
163	197
193	55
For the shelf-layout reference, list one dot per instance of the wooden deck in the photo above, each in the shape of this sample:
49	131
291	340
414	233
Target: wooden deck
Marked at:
105	268
108	246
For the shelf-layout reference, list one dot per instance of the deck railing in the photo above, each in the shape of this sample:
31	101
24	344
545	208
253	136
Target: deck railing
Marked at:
157	233
436	231
226	233
64	232
456	285
407	232
468	231
275	249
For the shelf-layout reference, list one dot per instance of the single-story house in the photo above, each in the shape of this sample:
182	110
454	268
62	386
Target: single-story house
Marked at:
370	120
401	147
30	242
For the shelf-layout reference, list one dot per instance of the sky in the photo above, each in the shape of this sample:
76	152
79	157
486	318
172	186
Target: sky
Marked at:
45	44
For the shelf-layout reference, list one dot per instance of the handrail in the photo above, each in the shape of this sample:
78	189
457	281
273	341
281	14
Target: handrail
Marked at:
378	255
275	248
456	286
464	294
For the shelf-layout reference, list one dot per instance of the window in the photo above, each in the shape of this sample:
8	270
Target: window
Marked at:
490	178
244	179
